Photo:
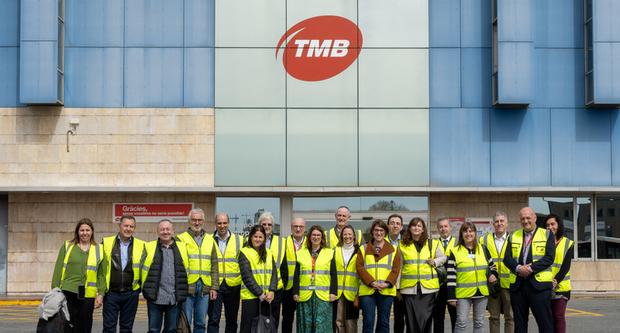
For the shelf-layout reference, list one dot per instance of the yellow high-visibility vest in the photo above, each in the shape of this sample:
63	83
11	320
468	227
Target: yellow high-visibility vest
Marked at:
561	250
92	265
448	249
227	261
315	281
278	250
199	258
137	252
332	237
488	242
291	259
348	281
379	271
415	269
471	273
538	247
261	271
150	249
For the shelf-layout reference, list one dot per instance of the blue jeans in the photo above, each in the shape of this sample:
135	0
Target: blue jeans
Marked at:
168	313
196	307
119	308
382	304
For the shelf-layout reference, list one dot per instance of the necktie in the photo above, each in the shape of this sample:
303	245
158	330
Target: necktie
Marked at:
526	249
445	243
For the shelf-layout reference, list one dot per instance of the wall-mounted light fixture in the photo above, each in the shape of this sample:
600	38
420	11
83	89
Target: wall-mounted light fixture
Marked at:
73	124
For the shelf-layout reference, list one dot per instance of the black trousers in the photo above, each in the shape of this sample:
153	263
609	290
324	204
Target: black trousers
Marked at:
119	308
439	311
229	297
275	307
419	310
288	311
539	301
249	311
399	315
80	311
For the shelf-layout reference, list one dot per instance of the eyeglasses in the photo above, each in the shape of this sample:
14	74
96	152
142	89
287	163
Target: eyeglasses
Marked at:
266	224
298	226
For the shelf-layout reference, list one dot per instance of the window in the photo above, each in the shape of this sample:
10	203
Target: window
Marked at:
244	212
607	228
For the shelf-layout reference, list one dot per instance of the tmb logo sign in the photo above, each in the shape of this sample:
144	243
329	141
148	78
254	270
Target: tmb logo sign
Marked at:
320	47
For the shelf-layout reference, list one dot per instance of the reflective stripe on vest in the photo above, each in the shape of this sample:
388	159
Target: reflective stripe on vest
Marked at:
278	251
92	264
488	242
261	271
150	249
471	273
199	258
291	259
379	271
561	251
137	253
415	269
319	283
538	247
332	238
227	261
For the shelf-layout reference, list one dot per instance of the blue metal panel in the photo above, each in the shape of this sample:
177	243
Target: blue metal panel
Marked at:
154	23
199	24
38	74
515	84
475	23
605	15
444	80
476	77
580	147
444	23
520	147
199	77
94	23
9	24
559	23
559	78
9	65
615	146
514	20
460	147
153	77
39	20
606	73
94	77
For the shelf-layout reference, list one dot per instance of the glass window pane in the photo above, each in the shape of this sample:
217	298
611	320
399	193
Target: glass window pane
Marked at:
407	25
608	228
233	17
250	147
244	212
584	228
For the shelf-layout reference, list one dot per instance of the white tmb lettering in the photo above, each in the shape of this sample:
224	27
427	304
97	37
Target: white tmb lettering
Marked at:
328	48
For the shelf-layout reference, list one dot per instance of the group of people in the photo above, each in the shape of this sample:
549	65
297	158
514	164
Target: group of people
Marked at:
323	278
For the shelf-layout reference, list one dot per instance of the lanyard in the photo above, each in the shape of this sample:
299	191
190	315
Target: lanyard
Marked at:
526	245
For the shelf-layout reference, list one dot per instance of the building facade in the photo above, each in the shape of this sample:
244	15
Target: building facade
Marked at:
454	108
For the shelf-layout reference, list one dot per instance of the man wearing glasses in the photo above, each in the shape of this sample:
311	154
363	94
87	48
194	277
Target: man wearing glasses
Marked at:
293	244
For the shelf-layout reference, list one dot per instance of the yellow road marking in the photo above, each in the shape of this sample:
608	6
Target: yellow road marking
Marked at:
574	313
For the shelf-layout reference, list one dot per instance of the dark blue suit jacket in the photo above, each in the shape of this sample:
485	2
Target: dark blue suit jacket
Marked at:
543	263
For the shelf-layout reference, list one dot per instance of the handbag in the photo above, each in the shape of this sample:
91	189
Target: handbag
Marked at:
442	272
263	323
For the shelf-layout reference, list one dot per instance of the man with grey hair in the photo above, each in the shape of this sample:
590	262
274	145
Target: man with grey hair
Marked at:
499	299
203	272
277	246
293	244
447	243
342	215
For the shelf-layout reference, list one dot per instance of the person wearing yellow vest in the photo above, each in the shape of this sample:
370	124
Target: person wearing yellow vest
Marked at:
78	273
419	282
470	269
259	277
343	215
345	256
122	261
499	293
202	273
164	279
395	227
378	266
529	255
294	243
446	242
227	245
315	284
277	246
561	272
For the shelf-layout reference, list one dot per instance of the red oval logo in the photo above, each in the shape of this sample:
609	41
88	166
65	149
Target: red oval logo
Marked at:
320	47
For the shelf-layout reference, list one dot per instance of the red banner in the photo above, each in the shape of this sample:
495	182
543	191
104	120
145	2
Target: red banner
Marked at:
153	212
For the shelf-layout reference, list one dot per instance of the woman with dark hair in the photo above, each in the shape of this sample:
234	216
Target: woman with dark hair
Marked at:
345	255
259	276
469	268
561	272
419	282
77	273
315	284
378	266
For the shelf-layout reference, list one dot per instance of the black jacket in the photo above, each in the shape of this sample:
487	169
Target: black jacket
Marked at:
151	284
544	262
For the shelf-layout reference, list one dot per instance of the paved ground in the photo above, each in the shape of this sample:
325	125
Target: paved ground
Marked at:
585	314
